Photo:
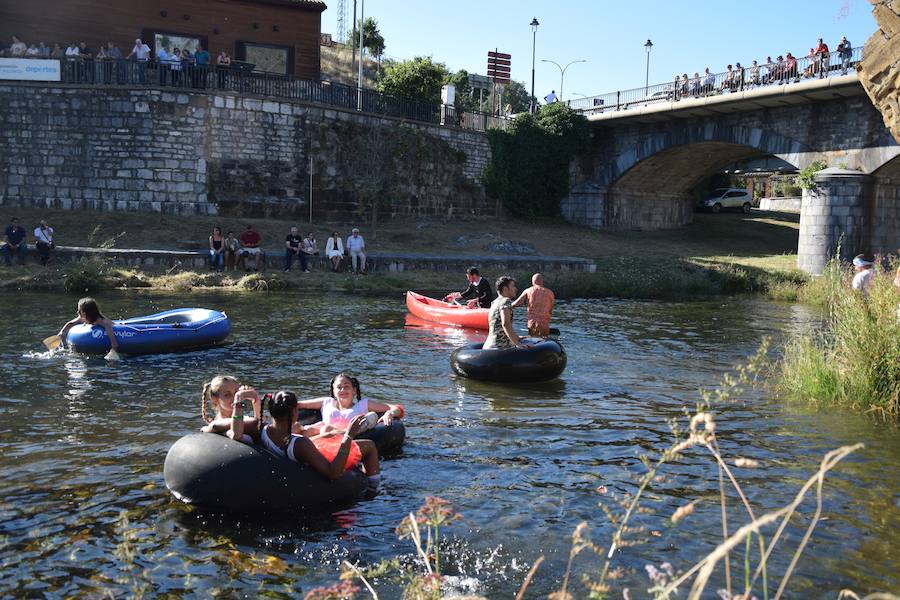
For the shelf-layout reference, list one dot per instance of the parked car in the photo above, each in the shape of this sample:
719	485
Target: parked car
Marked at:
728	198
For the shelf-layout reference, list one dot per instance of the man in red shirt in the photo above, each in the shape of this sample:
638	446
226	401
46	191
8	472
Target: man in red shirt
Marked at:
823	58
250	241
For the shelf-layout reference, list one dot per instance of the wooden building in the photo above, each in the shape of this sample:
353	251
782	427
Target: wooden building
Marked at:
280	36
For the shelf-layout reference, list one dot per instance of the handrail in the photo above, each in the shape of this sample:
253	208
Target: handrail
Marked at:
768	75
191	77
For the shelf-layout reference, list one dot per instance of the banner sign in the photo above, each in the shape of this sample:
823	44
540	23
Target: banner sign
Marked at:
29	69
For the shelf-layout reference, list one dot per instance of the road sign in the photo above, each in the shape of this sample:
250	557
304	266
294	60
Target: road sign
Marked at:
499	65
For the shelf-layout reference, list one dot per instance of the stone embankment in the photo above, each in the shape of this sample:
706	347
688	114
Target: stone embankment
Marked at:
880	68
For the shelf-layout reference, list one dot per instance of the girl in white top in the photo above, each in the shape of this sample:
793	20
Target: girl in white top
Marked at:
346	404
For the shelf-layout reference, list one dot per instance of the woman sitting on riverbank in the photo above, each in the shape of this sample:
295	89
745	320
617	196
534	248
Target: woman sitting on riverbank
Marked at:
228	398
328	458
345	404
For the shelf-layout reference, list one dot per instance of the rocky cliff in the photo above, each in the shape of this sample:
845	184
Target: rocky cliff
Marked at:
879	71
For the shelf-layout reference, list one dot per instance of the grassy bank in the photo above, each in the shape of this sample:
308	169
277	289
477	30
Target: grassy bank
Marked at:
854	360
717	254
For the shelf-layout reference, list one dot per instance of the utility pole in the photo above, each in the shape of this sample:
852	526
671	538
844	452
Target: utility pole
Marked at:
359	85
353	40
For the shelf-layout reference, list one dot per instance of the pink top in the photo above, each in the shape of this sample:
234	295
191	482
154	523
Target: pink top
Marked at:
540	304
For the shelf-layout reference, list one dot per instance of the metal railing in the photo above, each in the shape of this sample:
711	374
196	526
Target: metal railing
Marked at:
284	87
783	72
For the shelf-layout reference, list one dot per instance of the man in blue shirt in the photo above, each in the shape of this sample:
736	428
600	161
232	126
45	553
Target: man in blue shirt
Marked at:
14	242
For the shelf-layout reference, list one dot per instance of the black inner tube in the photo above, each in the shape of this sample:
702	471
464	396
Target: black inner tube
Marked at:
543	361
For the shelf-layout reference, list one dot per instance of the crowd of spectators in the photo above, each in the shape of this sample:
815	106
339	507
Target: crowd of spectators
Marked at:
245	251
782	69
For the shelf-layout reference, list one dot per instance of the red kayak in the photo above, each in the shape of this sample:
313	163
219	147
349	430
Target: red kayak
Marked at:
446	312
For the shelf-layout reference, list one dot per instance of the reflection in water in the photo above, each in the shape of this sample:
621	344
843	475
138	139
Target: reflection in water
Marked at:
84	442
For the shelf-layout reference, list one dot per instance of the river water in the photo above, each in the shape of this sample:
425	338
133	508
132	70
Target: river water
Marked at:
85	510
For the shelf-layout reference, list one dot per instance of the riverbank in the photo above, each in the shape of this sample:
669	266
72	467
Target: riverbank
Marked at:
717	254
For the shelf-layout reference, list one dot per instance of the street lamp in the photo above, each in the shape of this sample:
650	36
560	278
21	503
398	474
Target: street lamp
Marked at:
562	73
534	26
648	47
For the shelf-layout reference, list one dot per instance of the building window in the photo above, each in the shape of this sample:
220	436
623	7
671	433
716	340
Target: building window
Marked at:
267	57
172	40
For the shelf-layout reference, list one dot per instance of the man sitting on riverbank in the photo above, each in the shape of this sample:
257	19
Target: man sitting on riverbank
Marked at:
356	247
479	293
43	241
14	243
540	306
250	241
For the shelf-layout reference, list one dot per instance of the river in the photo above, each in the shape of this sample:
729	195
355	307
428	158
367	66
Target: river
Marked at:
85	509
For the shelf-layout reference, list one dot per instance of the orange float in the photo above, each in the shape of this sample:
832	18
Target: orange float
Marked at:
447	313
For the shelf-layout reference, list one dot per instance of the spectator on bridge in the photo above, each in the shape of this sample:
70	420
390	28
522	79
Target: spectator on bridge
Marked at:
709	81
356	248
250	241
790	68
334	251
551	97
728	81
43	50
811	60
695	85
175	65
14	243
32	52
84	52
754	74
201	61
737	82
113	52
767	69
162	59
18	48
845	52
223	63
683	87
43	241
57	52
823	58
72	51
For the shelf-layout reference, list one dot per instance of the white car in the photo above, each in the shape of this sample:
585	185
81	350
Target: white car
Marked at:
729	198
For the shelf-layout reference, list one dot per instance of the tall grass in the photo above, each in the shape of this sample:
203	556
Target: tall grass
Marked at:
853	360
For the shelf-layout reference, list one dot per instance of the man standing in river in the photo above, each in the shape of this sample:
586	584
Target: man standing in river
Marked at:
540	306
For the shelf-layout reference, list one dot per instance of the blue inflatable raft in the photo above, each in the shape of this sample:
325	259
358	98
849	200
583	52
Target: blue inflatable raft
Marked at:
169	331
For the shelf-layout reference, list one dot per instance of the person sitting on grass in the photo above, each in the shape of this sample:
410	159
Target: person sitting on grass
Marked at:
250	241
14	243
864	266
478	294
229	400
540	306
501	335
89	314
334	251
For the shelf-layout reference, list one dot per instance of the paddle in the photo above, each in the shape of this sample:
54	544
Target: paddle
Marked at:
52	342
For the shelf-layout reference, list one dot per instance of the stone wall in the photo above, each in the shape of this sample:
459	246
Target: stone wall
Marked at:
199	153
880	68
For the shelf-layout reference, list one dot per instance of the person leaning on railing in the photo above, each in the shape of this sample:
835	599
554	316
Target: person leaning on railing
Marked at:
845	52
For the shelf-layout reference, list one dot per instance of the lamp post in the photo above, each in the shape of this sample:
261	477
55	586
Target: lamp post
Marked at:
648	47
534	26
562	73
359	83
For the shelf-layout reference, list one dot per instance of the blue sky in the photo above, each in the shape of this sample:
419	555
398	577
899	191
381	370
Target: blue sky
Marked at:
687	35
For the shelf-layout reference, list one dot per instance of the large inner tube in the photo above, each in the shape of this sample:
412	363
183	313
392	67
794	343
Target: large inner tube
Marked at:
387	439
543	361
210	470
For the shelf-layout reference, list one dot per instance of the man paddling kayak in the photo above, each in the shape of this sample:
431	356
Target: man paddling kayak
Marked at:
479	293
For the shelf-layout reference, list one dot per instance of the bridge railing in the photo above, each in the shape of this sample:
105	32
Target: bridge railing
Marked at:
736	80
189	77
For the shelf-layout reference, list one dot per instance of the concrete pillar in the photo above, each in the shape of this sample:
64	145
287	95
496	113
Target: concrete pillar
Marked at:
836	213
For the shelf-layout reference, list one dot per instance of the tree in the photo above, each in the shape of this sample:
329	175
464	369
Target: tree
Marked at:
464	101
420	78
517	97
373	41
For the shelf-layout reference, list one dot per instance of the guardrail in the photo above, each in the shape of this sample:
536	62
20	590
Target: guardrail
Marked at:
780	73
189	77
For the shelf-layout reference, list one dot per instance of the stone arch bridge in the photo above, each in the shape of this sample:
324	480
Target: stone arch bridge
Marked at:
644	162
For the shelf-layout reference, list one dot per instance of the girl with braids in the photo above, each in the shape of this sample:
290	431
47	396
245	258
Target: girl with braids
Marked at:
331	461
345	403
228	398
